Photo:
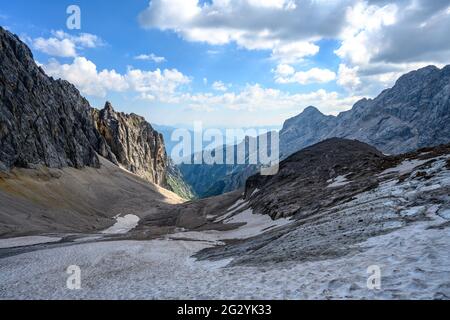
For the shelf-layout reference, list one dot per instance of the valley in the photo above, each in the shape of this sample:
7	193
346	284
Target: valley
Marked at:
359	196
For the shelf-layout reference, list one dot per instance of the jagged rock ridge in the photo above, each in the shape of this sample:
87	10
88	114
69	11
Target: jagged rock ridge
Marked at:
137	147
46	122
42	121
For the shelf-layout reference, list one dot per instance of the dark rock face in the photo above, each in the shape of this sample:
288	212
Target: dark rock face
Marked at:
137	147
302	183
42	121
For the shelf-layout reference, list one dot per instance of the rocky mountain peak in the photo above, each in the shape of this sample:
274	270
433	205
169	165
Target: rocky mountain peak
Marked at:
108	107
137	147
311	110
42	121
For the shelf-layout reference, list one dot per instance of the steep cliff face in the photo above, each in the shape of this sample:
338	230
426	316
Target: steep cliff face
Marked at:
137	147
42	121
46	122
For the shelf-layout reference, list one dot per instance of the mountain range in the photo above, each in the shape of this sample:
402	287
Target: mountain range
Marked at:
94	188
414	113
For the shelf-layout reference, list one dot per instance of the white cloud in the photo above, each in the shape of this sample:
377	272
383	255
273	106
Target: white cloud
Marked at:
348	77
384	39
55	47
377	38
257	98
294	51
219	86
288	28
160	85
152	85
364	23
150	57
84	74
287	74
62	44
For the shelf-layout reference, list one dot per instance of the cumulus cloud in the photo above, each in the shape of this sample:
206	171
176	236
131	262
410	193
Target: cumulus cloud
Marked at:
287	74
84	74
150	57
219	86
151	85
288	28
168	87
62	44
348	77
384	39
378	39
55	47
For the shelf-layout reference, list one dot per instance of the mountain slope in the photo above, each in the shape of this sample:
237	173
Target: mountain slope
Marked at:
338	194
67	200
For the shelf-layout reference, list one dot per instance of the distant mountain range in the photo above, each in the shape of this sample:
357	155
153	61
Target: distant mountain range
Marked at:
414	113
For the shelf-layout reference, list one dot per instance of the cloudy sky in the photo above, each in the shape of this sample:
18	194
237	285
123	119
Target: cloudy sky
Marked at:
232	63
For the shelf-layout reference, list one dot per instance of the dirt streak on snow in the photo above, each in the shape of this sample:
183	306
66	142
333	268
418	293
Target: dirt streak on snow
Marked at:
26	241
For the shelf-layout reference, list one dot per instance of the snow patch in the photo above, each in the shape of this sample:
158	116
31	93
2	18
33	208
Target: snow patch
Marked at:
123	224
254	224
414	263
237	205
405	167
339	181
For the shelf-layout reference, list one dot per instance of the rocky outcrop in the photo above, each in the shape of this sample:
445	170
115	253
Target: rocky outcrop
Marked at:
137	147
42	121
308	128
302	183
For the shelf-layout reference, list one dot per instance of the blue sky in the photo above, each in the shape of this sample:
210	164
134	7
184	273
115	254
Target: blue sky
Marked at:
230	63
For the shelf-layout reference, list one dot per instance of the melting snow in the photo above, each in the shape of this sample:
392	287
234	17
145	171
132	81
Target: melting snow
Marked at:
123	224
405	167
339	181
414	261
254	224
414	264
